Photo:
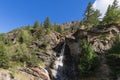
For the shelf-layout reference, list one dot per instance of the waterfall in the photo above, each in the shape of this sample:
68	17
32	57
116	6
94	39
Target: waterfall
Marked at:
58	64
59	61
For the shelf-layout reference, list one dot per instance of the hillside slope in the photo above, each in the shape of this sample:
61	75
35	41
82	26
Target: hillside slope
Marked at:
30	53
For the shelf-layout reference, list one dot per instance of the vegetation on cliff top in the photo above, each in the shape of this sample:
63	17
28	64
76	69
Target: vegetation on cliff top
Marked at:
16	49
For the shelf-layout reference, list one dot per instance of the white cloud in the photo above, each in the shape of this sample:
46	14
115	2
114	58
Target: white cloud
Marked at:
102	5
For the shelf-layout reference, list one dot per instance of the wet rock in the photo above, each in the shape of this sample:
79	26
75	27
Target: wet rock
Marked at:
103	70
76	50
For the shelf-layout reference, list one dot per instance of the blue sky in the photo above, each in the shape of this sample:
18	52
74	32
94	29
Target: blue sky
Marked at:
18	13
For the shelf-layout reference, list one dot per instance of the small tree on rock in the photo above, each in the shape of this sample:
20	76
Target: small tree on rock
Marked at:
47	23
36	24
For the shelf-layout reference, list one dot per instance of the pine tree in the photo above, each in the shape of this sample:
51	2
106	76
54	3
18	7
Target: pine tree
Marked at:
107	16
36	24
113	14
88	12
47	23
94	19
91	15
115	4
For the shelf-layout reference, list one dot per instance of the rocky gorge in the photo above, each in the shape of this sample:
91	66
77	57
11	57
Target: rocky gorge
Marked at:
63	56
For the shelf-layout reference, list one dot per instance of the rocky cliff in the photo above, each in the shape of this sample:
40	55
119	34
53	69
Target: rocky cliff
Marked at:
88	54
101	38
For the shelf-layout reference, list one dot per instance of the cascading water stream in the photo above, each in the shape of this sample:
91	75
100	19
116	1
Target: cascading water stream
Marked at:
60	58
58	64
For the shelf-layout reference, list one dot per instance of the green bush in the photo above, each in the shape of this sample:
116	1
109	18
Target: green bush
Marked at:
32	60
72	28
2	36
4	58
116	47
58	29
29	59
113	57
87	58
23	56
24	36
9	43
47	30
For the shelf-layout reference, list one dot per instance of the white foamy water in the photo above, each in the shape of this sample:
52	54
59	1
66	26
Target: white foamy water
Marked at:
58	64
